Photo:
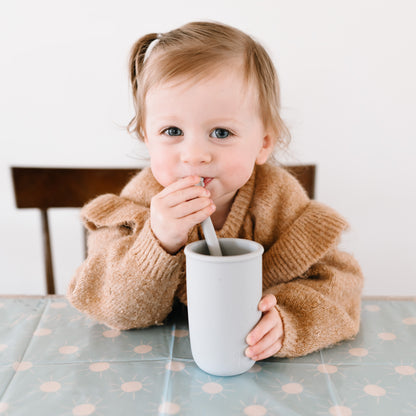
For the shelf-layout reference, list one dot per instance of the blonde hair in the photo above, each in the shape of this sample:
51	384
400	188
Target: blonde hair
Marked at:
194	51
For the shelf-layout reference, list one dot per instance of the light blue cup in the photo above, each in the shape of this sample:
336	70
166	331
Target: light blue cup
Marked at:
223	295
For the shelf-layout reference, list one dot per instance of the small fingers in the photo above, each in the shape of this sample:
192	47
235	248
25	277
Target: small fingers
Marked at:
184	195
201	215
269	319
267	302
190	207
266	338
180	184
268	346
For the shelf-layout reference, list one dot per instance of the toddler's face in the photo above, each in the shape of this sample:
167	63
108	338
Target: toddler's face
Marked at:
211	128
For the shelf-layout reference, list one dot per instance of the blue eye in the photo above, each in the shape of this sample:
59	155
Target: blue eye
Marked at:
173	131
221	133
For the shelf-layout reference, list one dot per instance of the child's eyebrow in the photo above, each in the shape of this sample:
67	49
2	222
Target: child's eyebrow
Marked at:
165	119
224	120
234	124
174	119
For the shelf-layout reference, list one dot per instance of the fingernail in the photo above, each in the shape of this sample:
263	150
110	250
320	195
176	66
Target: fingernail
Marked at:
249	352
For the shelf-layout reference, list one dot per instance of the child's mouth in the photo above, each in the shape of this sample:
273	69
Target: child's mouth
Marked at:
206	181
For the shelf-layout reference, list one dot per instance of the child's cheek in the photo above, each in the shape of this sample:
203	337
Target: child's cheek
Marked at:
162	172
238	173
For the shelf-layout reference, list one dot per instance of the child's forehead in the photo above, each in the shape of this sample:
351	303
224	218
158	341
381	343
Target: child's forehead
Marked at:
223	96
229	79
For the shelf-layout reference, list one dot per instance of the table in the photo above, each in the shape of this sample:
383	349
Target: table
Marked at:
56	361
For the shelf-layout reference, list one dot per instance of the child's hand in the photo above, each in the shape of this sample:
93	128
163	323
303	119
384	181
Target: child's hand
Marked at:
175	210
266	338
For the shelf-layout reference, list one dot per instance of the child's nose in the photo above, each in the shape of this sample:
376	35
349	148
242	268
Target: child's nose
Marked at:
194	154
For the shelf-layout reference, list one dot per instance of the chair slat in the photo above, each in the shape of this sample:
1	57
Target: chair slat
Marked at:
50	281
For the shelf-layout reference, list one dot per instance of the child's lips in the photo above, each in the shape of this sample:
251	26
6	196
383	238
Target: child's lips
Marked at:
206	181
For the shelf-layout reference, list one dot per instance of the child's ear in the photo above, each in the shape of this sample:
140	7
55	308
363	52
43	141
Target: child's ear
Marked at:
266	150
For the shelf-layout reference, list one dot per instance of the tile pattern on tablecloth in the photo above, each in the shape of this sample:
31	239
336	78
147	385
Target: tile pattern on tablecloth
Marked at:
56	361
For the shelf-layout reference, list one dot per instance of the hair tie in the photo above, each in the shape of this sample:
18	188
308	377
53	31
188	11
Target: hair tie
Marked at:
152	44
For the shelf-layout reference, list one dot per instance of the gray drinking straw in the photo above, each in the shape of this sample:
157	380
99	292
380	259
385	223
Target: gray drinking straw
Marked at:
209	233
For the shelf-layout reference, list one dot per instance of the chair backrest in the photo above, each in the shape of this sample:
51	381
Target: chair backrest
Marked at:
44	188
306	175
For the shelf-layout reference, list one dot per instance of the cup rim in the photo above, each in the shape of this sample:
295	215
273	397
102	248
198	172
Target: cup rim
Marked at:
257	251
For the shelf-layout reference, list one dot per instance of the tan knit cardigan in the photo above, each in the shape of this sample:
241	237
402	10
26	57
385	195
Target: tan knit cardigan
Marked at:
129	281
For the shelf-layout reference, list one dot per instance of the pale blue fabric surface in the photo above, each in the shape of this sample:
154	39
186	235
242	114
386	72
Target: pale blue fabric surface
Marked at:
56	361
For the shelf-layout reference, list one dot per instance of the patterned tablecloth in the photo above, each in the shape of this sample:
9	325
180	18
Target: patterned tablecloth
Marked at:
55	361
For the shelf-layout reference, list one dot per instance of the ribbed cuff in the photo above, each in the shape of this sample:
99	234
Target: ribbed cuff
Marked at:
153	259
290	337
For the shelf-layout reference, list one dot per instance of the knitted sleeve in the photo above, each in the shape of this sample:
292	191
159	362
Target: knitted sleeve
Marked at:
317	287
321	309
127	280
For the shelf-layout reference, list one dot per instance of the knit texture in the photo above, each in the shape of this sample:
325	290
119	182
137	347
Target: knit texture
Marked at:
129	281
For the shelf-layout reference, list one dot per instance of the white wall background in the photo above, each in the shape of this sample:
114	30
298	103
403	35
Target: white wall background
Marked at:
347	72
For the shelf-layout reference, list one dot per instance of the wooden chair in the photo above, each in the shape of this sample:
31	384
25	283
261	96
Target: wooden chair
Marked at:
44	188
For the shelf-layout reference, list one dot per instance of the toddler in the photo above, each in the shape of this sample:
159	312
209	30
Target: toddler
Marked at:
207	106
